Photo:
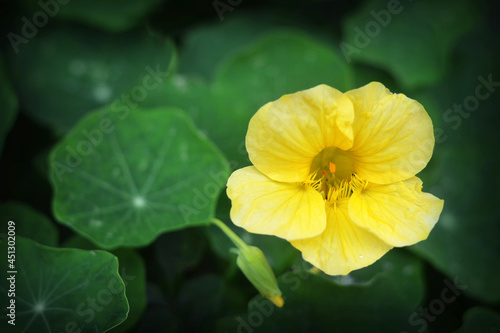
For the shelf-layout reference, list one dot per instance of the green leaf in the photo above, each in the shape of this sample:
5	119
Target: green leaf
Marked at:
9	102
194	96
480	319
29	223
383	296
411	40
208	46
121	179
77	70
111	15
217	122
132	272
61	290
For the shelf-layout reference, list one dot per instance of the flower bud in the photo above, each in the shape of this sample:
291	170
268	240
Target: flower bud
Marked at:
254	265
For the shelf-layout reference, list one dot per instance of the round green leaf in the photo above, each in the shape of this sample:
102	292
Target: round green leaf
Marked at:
62	290
8	101
132	272
411	40
111	15
30	223
77	70
123	179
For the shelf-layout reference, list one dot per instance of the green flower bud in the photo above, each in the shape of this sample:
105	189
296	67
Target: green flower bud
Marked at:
254	265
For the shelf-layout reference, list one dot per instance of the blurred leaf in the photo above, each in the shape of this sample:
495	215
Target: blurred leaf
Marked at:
30	223
364	74
159	312
208	46
480	319
111	15
132	272
381	297
9	102
411	40
60	290
179	250
163	317
203	299
193	95
464	243
78	70
123	179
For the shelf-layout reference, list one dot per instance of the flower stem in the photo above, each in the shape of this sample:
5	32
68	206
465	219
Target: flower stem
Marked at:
237	241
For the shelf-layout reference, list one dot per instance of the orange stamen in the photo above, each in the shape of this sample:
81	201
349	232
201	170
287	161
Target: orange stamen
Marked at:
333	167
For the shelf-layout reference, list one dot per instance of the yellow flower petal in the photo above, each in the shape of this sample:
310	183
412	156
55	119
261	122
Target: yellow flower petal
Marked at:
343	246
393	135
399	214
285	135
264	206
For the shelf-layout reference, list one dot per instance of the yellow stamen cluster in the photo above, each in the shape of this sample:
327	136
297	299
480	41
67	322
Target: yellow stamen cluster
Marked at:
314	181
331	188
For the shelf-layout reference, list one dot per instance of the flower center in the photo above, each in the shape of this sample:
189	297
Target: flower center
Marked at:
332	174
334	163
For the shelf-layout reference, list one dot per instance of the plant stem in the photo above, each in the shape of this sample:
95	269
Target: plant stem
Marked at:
237	241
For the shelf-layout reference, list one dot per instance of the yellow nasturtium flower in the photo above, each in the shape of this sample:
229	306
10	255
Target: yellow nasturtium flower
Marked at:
334	174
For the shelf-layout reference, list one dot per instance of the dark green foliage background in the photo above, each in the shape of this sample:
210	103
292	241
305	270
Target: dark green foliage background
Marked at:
216	63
